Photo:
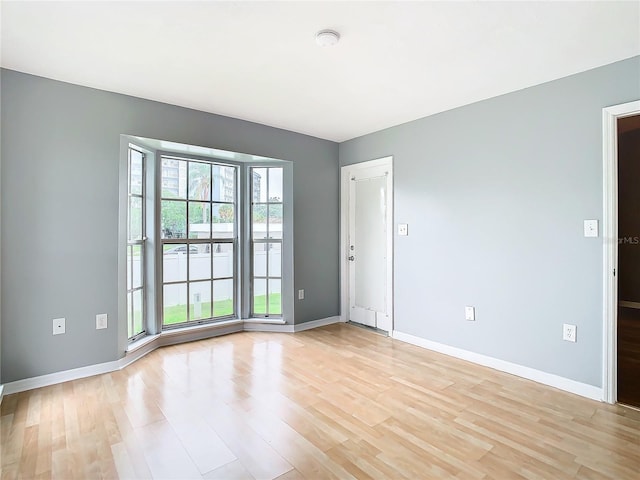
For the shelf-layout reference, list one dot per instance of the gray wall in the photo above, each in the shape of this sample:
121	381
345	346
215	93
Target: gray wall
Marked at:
60	148
495	194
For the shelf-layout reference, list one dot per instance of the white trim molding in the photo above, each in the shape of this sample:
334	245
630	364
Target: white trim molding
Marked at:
562	383
610	116
299	327
346	173
149	344
268	327
60	377
272	321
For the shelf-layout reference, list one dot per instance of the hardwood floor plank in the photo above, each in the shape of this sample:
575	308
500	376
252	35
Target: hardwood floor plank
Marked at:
164	453
292	475
364	457
259	458
124	465
231	471
302	454
10	472
204	446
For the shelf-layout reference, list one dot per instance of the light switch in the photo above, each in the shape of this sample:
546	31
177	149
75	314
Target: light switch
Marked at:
403	229
591	228
470	313
101	321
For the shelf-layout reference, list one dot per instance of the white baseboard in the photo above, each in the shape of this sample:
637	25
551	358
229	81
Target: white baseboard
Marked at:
183	335
268	327
562	383
60	377
170	337
299	327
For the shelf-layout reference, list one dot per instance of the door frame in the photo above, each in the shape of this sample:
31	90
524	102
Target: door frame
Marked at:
610	115
345	175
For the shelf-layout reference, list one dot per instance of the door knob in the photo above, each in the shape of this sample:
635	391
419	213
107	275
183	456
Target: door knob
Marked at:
352	258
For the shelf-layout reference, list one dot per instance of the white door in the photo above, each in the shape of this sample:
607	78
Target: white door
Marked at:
368	246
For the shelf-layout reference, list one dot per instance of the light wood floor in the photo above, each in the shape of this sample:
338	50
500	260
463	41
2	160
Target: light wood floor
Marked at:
334	402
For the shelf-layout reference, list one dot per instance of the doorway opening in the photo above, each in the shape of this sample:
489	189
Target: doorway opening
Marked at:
628	331
367	244
621	141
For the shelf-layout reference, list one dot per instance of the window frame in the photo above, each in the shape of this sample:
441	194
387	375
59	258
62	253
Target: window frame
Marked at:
234	241
265	241
154	149
131	243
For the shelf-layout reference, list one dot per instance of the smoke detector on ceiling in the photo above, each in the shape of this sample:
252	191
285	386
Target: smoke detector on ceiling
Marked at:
327	38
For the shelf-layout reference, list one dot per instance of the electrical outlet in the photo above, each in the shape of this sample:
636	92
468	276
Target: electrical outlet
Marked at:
59	326
470	314
403	229
101	321
301	294
569	332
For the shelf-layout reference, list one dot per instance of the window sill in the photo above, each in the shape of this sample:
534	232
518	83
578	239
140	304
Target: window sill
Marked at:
273	321
194	330
199	328
138	344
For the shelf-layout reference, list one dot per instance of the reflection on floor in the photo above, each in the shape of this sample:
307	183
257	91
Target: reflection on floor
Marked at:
629	356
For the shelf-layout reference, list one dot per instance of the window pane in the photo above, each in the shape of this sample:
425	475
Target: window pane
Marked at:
200	301
135	218
275	184
174	304
198	202
199	181
137	312
224	214
275	220
129	266
174	219
258	184
199	220
174	178
259	296
135	166
223	183
200	262
222	260
260	259
275	304
223	221
129	318
259	221
137	266
174	262
222	298
275	259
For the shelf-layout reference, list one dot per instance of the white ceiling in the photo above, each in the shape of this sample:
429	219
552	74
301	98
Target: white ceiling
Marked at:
396	61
